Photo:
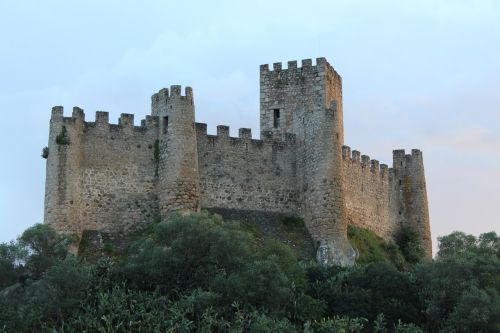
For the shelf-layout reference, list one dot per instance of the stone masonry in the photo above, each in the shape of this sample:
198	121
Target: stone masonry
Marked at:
107	177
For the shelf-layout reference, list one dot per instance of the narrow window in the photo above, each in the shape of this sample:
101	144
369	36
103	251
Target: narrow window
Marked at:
276	118
165	124
400	182
401	163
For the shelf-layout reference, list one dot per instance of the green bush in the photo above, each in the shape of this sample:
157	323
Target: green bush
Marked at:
187	252
336	324
45	152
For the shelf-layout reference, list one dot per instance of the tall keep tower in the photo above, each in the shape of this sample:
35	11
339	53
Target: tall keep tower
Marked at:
307	101
178	177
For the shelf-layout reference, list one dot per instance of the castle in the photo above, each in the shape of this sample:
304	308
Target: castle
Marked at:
108	177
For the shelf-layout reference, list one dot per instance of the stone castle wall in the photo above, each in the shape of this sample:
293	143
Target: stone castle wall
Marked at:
244	173
104	175
369	193
114	177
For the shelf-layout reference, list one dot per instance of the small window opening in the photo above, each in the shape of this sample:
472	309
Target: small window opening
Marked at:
400	182
276	118
165	124
401	163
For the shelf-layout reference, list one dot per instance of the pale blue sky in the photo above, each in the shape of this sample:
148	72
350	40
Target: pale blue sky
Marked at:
416	74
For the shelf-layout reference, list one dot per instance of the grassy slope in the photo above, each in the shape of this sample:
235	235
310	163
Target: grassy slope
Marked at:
372	248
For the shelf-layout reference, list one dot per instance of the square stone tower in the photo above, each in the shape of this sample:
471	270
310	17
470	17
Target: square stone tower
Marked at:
307	101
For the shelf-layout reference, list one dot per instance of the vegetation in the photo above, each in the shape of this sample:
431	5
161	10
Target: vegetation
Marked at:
199	273
410	247
62	138
371	248
156	155
45	152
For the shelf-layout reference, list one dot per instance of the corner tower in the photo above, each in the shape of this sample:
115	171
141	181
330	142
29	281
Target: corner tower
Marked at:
63	171
413	208
176	151
307	101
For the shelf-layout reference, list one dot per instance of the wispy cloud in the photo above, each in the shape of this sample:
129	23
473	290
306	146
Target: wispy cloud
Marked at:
469	140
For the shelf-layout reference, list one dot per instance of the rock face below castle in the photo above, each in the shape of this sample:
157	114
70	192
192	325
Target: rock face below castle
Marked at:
107	177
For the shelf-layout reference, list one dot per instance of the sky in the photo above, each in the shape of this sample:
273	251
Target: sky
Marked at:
416	74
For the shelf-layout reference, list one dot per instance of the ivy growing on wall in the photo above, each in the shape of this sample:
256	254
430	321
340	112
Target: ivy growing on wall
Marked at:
156	155
62	138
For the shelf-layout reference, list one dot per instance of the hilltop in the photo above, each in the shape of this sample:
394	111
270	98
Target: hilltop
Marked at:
200	273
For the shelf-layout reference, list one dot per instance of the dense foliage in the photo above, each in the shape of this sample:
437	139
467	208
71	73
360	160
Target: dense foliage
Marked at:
198	273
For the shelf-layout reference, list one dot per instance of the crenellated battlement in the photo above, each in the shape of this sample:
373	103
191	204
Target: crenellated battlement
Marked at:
172	98
289	95
244	137
174	93
125	121
292	69
401	160
355	159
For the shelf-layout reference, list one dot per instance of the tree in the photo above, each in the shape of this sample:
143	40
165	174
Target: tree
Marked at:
10	268
43	248
460	289
186	253
456	244
410	245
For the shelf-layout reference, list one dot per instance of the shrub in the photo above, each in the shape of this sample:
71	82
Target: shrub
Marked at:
337	324
45	152
187	252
